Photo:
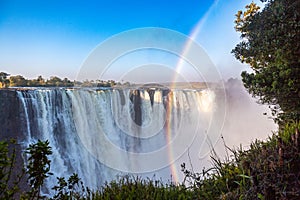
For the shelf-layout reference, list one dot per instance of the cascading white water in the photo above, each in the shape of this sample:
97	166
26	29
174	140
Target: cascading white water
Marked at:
99	133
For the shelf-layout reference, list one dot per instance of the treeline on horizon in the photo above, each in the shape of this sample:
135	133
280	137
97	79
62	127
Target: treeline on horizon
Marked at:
6	80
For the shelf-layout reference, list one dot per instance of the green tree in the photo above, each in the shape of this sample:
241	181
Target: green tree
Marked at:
270	45
18	81
54	81
39	82
67	83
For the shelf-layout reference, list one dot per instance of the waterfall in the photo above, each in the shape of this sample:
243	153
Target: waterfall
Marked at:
101	133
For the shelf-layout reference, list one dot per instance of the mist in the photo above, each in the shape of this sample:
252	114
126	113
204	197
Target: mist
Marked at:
245	121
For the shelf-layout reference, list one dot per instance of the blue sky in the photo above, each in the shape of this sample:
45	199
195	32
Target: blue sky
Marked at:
55	37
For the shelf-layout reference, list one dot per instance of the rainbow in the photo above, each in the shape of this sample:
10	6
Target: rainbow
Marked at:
193	34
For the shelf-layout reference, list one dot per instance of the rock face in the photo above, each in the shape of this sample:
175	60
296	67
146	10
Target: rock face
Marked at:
9	117
135	98
10	128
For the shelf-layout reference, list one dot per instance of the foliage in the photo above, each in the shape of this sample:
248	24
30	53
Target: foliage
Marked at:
274	165
3	76
4	82
225	180
271	45
267	170
8	188
20	81
38	167
17	81
73	188
54	81
130	187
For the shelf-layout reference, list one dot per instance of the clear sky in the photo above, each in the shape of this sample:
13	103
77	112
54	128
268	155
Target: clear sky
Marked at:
55	37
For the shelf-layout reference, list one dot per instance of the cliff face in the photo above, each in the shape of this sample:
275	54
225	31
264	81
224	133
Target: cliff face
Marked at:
9	117
11	128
